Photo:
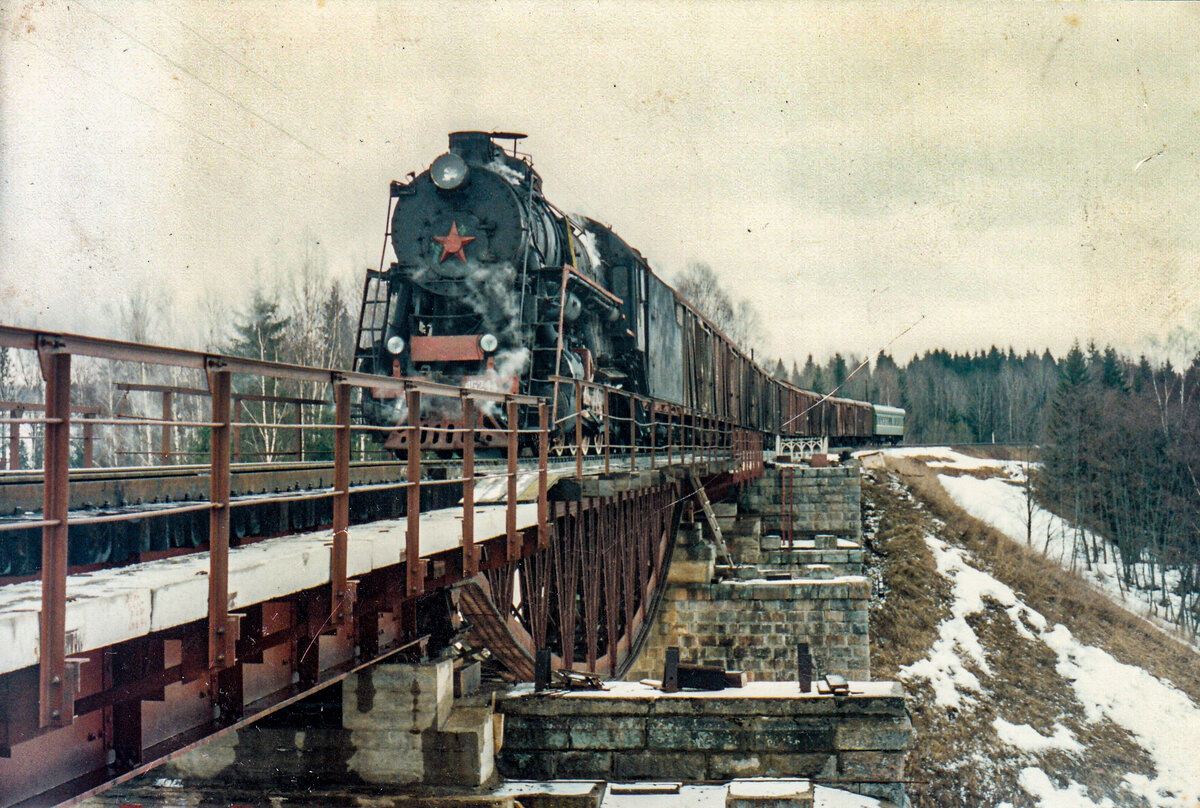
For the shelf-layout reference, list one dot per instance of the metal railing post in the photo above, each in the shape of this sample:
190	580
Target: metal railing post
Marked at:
670	438
543	474
652	412
167	415
341	498
239	414
691	439
607	432
633	433
219	644
510	511
89	442
55	704
470	558
414	568
300	433
14	441
578	429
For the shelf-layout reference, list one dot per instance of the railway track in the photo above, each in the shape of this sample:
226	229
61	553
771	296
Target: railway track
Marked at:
122	516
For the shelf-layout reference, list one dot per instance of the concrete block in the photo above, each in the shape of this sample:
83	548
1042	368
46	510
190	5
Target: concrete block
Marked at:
695	732
398	697
791	734
689	571
727	766
527	765
683	766
825	541
467	679
872	766
584	765
537	733
608	732
879	733
817	765
769	794
387	758
463	753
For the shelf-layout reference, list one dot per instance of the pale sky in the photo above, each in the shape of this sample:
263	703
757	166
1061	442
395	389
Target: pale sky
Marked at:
1020	174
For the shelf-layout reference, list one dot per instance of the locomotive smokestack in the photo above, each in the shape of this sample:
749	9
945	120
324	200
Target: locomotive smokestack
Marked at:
474	147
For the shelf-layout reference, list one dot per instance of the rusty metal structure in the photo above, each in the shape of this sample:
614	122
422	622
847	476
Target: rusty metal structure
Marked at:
573	564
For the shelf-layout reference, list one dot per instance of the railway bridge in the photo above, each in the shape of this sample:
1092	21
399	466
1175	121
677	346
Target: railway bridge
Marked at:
274	548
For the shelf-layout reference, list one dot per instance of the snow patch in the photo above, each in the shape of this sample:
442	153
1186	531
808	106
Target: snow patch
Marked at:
958	646
1161	718
1029	739
945	457
1038	785
1004	507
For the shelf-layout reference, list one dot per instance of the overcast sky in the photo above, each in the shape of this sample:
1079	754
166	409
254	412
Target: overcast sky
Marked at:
1017	174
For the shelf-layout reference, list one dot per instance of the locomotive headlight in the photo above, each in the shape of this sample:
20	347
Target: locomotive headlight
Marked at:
488	343
448	172
395	345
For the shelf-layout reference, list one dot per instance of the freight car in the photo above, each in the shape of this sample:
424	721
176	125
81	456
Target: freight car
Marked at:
493	287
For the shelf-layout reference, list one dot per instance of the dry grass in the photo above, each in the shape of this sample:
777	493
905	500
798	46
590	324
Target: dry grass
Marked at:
1060	595
959	760
904	620
1000	452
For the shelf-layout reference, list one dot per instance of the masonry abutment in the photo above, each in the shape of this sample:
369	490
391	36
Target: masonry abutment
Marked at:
753	618
398	725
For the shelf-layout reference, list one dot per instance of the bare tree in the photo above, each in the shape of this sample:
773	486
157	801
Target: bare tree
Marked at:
736	318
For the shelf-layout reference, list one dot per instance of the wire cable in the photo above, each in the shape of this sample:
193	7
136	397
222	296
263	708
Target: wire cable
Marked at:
217	47
861	365
137	100
210	86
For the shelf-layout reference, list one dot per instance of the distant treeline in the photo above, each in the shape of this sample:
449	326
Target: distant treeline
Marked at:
1121	457
990	396
1119	441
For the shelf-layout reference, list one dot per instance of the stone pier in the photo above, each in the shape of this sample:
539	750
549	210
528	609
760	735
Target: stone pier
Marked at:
753	617
858	742
823	500
396	725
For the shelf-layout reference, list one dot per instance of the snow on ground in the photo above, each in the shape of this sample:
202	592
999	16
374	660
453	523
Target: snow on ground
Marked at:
1037	784
714	797
1162	719
1004	507
945	457
686	796
957	645
1026	737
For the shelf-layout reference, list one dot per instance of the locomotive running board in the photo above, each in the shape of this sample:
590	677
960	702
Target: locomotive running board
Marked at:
711	518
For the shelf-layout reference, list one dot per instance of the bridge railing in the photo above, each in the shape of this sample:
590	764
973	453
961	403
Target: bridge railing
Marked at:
638	431
641	431
55	352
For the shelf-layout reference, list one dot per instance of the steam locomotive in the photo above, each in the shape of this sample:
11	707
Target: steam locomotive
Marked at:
494	287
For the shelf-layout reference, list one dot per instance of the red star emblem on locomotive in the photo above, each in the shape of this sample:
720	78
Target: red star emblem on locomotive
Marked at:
453	244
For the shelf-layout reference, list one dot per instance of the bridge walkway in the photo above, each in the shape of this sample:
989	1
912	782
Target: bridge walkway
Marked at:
105	672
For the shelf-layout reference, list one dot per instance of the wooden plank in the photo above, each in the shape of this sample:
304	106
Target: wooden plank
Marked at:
710	518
